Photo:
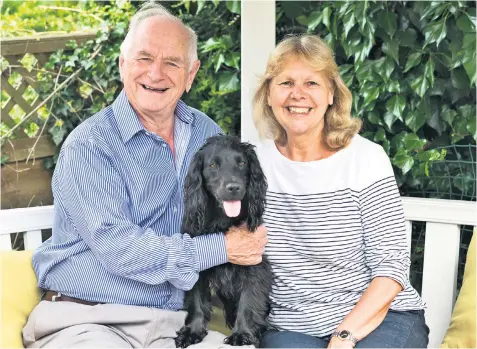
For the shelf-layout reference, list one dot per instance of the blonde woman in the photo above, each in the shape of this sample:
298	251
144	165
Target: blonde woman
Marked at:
336	232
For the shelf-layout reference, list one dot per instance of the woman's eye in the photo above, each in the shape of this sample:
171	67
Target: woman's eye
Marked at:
213	165
286	83
312	83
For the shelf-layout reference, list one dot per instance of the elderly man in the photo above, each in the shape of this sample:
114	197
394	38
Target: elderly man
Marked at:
116	268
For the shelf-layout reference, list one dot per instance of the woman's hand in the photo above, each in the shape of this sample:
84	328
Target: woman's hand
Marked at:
335	342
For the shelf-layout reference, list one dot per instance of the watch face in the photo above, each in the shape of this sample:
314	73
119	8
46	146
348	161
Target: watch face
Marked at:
344	334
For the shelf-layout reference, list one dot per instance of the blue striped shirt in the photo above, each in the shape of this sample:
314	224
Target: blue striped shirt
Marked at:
118	194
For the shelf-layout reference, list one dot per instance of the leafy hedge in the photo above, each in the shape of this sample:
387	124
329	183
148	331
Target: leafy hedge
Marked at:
96	81
411	69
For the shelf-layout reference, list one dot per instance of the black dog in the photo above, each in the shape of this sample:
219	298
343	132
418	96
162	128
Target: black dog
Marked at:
225	186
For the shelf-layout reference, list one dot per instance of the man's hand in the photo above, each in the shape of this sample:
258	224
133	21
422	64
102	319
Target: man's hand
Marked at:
244	247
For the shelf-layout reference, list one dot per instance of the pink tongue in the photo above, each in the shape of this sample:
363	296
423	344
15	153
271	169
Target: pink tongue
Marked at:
232	208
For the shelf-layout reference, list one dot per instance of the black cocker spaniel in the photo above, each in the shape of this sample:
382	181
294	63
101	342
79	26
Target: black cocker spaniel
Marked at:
225	186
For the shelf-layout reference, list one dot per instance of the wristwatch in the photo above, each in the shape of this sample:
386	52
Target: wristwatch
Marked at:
345	335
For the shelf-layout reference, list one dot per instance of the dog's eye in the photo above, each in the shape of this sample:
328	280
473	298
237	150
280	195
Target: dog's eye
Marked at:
241	163
213	165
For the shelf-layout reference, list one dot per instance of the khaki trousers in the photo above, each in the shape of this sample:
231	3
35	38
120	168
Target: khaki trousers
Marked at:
73	325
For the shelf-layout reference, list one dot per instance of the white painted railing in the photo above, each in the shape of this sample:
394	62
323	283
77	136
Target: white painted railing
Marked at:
441	250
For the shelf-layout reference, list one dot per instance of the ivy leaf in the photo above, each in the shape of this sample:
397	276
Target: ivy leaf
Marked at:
435	32
228	82
391	48
373	118
219	62
406	38
326	17
448	115
58	133
471	126
303	20
414	120
396	106
464	182
470	70
389	119
232	59
413	60
233	6
348	22
420	85
459	79
412	142
393	86
403	161
465	24
388	21
313	20
388	67
370	93
380	135
429	71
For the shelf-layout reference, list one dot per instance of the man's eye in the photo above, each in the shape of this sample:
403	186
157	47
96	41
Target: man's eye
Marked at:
172	64
213	165
144	59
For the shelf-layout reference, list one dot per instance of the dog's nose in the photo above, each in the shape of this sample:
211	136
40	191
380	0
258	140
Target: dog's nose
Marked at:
232	187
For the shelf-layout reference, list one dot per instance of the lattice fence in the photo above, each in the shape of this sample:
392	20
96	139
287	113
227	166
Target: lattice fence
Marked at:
22	59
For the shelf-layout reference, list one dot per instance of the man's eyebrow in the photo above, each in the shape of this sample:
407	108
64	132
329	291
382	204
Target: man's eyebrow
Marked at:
173	59
144	53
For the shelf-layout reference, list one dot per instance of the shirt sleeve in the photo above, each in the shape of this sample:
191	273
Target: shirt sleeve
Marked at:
383	222
94	197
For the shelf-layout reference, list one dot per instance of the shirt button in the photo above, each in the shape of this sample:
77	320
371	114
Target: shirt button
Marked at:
164	145
175	209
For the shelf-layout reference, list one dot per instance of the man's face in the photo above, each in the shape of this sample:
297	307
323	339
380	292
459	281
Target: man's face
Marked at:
155	67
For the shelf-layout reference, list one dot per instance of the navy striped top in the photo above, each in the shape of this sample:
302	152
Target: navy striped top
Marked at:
118	194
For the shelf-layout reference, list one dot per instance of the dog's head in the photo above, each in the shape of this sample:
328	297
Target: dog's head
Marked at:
227	172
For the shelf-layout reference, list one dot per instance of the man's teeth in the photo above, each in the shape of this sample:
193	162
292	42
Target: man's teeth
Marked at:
154	89
298	110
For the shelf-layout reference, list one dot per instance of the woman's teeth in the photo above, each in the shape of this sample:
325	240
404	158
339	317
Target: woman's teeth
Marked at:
298	110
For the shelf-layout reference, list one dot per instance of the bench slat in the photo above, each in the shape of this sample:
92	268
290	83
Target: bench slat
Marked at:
439	281
32	239
5	243
26	219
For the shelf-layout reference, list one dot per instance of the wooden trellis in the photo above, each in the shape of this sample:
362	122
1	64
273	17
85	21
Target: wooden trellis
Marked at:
14	51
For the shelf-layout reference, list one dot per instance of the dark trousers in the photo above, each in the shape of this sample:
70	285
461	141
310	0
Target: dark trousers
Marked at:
399	329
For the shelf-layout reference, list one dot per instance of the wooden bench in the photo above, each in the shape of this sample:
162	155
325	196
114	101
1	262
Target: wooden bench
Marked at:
441	252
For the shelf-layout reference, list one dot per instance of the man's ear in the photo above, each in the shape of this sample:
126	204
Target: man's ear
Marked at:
121	65
191	75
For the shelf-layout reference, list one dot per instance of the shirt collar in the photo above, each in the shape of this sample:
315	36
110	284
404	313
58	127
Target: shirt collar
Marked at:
128	121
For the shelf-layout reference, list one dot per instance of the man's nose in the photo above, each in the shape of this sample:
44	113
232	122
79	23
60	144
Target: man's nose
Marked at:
156	71
233	187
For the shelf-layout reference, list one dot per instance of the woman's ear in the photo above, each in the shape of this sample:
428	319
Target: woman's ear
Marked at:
195	198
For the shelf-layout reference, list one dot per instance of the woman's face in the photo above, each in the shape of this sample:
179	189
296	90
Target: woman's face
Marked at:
299	97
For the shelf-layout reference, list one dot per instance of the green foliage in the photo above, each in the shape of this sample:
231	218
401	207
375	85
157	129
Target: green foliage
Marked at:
94	70
411	69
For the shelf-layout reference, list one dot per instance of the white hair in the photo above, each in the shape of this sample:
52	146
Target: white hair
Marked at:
153	9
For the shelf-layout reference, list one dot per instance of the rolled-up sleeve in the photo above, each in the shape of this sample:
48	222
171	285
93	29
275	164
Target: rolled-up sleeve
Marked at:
383	223
96	202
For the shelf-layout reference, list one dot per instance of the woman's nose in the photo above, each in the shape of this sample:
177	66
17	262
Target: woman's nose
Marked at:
297	92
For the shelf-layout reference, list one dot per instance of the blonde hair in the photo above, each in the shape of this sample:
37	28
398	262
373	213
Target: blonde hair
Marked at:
339	127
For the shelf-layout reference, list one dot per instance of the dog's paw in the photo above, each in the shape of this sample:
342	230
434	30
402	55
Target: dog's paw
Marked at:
186	337
238	339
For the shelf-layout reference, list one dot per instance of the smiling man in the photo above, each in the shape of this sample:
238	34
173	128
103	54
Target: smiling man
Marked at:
117	264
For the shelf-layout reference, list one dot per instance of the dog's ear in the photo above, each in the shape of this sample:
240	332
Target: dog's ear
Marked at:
195	197
256	189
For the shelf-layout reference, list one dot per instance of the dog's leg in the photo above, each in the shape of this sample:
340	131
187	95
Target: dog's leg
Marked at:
253	307
199	308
